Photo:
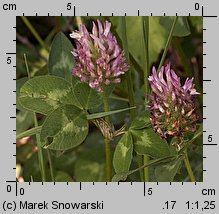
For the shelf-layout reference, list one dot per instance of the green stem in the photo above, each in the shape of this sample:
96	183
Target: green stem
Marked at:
40	153
129	73
146	159
108	150
50	165
78	21
168	43
154	163
34	32
140	160
130	85
189	168
29	132
145	21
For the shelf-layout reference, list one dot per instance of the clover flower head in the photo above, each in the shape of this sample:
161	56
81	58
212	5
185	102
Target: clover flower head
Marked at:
99	59
172	105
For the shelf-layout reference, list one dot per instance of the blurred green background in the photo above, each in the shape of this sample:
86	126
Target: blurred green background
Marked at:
87	162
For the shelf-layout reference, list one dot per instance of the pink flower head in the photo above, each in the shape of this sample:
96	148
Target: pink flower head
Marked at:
99	59
172	106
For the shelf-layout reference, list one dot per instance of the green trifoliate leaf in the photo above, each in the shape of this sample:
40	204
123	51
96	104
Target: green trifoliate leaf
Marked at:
167	172
61	60
43	94
123	154
65	128
147	142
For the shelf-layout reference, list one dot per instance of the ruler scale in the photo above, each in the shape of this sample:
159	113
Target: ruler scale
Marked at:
97	197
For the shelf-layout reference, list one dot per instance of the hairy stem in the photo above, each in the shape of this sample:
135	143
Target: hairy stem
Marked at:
189	168
108	149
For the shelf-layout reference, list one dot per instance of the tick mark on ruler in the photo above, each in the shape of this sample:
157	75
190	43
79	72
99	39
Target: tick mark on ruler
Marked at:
210	16
209	144
206	80
16	189
207	16
13	117
80	186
